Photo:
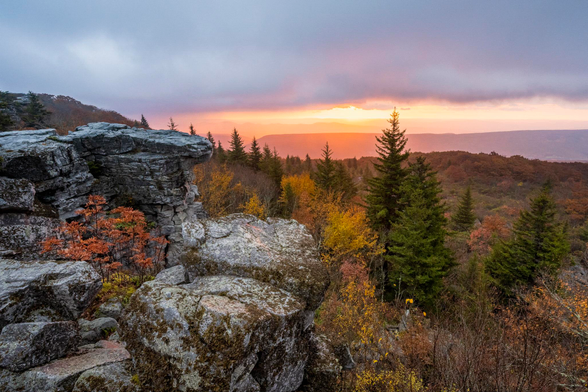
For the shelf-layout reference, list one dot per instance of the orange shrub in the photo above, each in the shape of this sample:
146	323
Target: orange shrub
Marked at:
109	240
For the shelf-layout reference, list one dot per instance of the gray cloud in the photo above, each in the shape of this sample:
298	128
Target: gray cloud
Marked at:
162	56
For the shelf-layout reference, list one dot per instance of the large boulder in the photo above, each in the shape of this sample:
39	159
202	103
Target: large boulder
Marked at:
61	375
277	251
26	345
45	290
219	333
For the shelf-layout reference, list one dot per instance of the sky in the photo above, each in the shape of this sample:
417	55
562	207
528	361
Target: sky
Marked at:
275	66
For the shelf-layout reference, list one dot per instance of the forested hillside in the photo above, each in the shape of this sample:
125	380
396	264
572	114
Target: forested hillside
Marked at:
36	111
442	264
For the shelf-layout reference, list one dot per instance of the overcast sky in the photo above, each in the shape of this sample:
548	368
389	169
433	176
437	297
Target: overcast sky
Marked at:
187	56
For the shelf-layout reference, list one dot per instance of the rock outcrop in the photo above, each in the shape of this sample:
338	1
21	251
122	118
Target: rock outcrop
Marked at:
233	312
242	323
45	178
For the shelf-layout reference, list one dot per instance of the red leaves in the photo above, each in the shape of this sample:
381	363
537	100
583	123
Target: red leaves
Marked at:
109	243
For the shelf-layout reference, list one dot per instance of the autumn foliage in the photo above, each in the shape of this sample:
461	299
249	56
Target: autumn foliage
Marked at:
109	241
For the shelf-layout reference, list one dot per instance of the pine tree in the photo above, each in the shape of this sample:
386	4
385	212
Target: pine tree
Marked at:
288	201
326	170
464	218
417	256
538	246
144	122
344	182
6	122
35	113
211	140
221	154
192	130
237	152
172	125
308	164
254	156
276	171
384	190
266	160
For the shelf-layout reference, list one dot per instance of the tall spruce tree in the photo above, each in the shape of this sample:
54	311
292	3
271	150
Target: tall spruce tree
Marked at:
35	113
221	154
538	246
144	122
237	152
384	192
417	256
325	176
464	218
254	157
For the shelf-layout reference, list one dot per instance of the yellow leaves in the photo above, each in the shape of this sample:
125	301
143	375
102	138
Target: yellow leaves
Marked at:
301	185
409	300
254	207
348	234
399	379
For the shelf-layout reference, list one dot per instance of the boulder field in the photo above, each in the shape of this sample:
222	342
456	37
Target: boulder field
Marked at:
234	310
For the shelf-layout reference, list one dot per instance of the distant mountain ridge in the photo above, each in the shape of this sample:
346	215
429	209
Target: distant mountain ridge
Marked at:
554	145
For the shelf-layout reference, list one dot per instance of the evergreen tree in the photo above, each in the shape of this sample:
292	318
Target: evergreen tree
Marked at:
136	124
192	130
308	164
276	172
288	201
221	154
538	246
384	190
237	152
464	218
344	182
35	113
144	122
172	125
417	256
326	170
266	160
6	122
211	140
254	155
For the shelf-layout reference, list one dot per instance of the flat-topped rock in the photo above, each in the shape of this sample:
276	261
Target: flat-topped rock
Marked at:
54	290
277	251
115	139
